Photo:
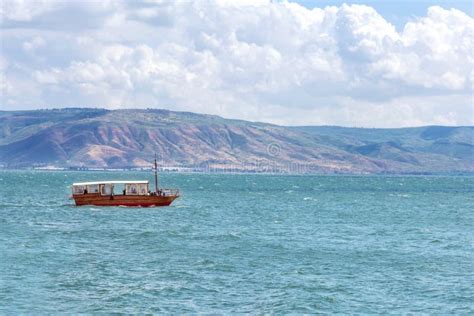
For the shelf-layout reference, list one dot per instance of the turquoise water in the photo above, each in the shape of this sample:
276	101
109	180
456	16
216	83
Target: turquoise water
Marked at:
240	243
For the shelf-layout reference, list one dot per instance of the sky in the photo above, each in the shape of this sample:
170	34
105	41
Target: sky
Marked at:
360	63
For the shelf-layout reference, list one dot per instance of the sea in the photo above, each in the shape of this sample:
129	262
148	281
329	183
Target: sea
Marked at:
236	243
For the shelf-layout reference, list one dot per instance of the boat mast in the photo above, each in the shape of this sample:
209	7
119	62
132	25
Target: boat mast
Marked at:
156	176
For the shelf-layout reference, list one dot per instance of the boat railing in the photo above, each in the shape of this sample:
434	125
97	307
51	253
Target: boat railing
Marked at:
169	192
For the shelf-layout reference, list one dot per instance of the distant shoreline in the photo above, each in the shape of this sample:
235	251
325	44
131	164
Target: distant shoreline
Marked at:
102	140
186	170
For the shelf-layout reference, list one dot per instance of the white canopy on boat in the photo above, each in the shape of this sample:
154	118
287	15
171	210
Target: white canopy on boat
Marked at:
109	182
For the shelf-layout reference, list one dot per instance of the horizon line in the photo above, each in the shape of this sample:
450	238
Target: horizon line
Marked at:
227	118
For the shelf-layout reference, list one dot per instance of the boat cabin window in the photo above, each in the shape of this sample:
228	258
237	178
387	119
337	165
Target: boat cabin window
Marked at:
119	188
78	189
136	189
107	189
93	188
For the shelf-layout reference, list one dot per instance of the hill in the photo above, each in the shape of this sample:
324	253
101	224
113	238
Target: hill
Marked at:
129	138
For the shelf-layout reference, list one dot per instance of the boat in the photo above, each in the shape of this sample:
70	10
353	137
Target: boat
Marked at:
122	193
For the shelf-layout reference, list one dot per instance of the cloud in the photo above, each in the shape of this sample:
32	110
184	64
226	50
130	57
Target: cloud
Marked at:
33	44
22	10
277	62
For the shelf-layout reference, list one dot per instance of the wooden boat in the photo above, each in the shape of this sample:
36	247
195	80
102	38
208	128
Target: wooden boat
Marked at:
122	193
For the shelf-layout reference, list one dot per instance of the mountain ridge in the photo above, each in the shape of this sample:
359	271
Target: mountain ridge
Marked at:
88	137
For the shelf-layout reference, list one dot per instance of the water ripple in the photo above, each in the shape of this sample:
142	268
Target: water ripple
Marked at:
240	244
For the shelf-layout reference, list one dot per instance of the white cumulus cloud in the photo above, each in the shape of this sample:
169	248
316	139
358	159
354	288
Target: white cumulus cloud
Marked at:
271	61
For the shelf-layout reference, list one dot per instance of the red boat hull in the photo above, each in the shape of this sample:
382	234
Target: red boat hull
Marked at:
123	200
